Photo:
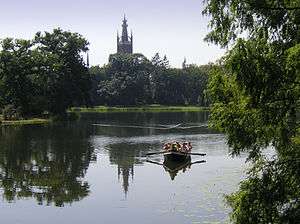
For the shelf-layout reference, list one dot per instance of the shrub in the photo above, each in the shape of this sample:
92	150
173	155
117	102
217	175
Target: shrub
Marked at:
11	113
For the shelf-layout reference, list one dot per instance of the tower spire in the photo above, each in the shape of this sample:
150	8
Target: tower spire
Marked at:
124	30
125	41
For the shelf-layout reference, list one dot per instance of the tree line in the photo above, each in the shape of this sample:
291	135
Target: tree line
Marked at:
132	79
48	74
44	75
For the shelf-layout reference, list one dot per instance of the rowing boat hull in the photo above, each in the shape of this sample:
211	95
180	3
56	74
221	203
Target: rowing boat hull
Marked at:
176	156
173	163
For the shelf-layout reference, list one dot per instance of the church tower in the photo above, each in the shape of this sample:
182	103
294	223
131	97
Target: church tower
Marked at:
125	43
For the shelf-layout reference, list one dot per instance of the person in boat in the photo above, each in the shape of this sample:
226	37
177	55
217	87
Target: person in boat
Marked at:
175	146
186	147
179	146
167	146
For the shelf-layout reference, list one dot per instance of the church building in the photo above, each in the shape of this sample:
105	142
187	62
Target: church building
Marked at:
125	43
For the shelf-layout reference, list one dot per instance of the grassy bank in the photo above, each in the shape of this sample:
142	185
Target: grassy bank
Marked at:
34	121
151	108
104	109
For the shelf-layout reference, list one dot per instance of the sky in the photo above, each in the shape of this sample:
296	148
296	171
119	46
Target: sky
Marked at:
175	28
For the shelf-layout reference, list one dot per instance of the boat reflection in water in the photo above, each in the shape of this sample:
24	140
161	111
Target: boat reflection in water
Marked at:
174	166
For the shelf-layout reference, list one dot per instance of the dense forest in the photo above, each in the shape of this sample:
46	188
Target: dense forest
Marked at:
48	74
132	79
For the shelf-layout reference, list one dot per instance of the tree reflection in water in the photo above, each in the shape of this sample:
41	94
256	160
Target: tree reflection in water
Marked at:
48	164
126	156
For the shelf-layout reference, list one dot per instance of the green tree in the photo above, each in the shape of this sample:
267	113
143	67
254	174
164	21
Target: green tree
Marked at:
127	80
196	79
98	75
64	75
255	92
18	75
134	80
44	74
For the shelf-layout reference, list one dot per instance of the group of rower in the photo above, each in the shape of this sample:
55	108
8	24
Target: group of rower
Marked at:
177	146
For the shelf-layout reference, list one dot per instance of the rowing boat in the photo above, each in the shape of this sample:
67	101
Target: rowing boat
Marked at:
176	156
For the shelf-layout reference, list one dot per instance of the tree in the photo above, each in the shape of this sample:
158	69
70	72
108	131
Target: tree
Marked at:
134	80
65	77
127	80
18	75
255	92
44	74
98	75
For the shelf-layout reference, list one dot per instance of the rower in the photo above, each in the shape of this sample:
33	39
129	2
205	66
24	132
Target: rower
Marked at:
167	146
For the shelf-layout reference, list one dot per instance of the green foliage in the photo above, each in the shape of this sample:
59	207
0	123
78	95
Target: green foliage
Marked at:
44	74
128	80
270	195
67	81
11	113
255	94
276	20
131	80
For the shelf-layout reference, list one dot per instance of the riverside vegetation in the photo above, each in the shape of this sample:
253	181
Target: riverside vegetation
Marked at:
47	75
255	92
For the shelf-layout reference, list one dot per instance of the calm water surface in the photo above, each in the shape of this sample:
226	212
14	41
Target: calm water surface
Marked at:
95	171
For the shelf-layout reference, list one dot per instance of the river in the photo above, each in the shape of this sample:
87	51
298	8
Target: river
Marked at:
95	170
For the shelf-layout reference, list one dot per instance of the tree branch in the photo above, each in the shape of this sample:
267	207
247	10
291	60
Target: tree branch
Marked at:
274	8
282	8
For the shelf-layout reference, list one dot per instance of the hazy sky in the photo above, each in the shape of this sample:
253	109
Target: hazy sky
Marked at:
172	27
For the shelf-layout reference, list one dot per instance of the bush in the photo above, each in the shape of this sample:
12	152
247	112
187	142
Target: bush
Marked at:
11	113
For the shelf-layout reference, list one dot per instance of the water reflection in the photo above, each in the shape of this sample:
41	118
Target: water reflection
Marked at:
144	124
173	167
48	165
56	165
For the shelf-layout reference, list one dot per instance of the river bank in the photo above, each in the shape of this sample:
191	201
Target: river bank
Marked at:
150	108
73	113
32	121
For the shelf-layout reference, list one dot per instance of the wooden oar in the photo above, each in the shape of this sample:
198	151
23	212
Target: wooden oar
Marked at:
161	164
196	154
157	163
201	161
154	153
188	153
